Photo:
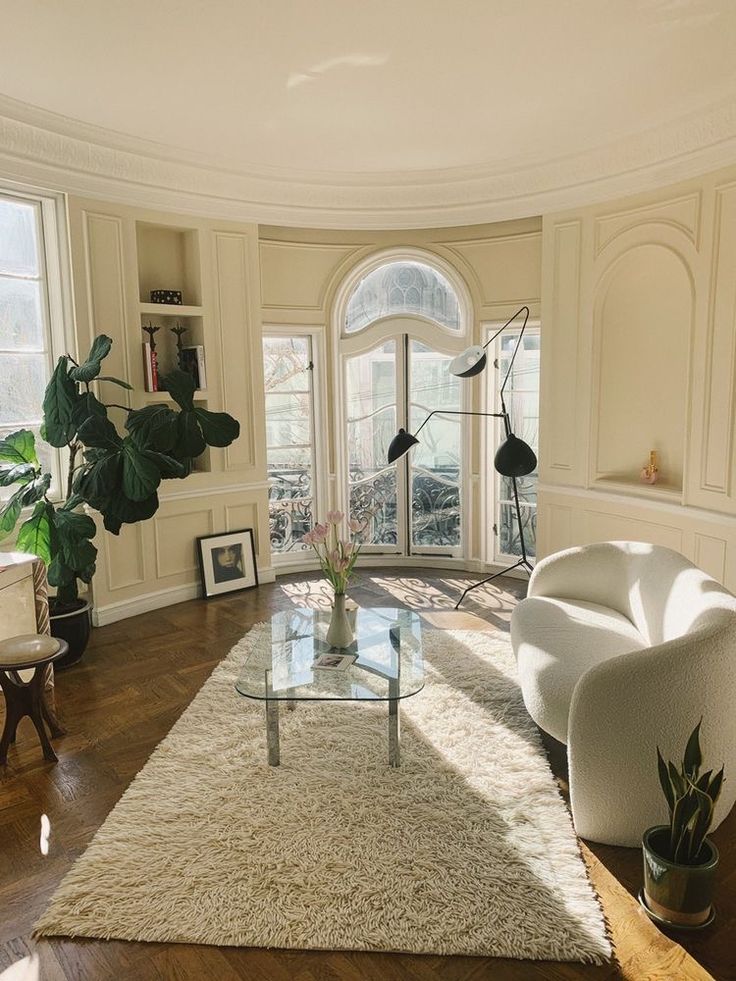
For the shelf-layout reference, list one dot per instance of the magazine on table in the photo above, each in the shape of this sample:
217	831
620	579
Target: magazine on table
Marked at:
334	661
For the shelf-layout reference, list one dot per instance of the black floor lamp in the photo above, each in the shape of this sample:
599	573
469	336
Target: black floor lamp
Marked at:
514	458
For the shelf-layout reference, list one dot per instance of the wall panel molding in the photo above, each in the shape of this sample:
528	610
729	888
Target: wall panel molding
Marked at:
680	213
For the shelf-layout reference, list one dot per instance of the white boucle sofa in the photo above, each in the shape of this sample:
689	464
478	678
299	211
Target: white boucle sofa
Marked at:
622	647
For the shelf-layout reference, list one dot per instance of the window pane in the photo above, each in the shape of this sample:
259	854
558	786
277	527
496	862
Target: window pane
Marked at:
403	287
522	402
22	384
371	425
436	461
508	530
21	322
373	503
289	454
18	239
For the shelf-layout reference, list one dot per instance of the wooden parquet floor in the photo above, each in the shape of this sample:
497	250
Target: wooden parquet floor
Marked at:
136	679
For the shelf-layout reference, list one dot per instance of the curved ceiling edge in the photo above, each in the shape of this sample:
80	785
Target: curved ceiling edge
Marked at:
74	160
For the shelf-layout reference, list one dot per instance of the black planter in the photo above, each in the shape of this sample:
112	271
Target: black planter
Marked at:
678	895
71	623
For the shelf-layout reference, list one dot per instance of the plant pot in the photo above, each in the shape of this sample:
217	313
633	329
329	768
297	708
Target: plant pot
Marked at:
340	633
70	622
678	895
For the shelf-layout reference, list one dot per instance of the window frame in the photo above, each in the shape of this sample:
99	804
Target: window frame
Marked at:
52	228
315	335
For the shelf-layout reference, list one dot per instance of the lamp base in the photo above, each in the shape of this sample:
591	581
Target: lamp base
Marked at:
522	563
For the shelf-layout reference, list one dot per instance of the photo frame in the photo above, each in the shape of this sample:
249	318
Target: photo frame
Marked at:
227	562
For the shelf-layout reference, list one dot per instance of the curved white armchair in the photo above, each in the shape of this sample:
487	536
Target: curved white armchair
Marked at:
622	647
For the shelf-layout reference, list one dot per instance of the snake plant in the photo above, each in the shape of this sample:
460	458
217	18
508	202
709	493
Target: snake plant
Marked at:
691	799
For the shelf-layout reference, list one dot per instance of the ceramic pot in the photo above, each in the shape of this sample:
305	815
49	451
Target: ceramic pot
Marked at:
72	624
340	633
681	895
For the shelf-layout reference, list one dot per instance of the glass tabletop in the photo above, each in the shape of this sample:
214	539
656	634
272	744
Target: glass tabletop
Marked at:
388	662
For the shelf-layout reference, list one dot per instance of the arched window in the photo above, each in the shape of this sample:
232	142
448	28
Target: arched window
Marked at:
403	287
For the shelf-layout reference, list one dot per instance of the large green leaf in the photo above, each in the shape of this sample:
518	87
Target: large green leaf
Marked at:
114	381
17	473
19	447
665	782
35	535
180	385
26	495
218	428
100	483
122	511
86	405
141	475
189	439
72	524
98	432
90	368
153	427
58	406
693	757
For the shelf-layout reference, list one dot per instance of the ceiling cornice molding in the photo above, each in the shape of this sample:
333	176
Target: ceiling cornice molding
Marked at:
67	155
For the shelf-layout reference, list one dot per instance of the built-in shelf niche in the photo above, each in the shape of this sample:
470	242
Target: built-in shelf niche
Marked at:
168	259
166	341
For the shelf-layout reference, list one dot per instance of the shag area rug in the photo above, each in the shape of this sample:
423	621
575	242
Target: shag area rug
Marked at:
467	848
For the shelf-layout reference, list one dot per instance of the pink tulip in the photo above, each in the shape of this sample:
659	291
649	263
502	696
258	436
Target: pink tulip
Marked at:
308	538
335	517
355	525
319	534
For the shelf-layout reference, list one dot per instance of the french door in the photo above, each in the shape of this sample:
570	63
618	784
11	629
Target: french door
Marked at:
393	376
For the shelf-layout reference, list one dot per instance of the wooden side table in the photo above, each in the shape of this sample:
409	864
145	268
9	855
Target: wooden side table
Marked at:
28	652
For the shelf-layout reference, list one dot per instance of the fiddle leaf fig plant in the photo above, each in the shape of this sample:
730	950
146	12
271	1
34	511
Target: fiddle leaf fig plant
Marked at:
691	798
116	472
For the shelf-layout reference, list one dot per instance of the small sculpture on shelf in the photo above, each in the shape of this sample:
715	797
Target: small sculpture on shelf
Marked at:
650	473
179	331
150	358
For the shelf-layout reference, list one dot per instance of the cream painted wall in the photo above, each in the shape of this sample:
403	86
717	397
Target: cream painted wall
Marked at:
639	308
302	271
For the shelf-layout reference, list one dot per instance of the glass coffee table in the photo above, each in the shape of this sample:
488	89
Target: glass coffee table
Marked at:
388	667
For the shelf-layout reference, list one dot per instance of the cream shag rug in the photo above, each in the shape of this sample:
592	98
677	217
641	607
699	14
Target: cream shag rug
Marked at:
468	848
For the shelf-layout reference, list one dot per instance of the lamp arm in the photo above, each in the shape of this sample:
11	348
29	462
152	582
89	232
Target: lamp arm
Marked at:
458	412
525	311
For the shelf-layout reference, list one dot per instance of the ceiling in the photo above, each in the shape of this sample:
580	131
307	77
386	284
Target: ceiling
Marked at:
466	103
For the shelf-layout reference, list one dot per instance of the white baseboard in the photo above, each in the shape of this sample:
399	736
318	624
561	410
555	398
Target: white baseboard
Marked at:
122	610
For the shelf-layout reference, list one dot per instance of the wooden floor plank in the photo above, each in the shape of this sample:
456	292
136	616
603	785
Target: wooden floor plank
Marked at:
137	678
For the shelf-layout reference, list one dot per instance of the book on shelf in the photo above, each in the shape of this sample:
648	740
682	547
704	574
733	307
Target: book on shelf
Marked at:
150	367
192	361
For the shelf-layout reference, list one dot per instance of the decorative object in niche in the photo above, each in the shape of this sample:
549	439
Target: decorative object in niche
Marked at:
117	475
227	562
150	359
166	296
179	332
650	473
191	360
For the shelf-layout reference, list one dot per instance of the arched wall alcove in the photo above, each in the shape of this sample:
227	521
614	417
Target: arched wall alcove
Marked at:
643	326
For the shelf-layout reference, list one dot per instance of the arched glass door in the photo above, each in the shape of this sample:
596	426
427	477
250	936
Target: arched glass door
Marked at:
394	375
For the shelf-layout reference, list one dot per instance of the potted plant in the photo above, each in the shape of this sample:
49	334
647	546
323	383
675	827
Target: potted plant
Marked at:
679	860
115	473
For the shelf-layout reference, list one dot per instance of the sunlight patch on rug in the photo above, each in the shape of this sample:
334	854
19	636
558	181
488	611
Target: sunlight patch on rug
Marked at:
467	848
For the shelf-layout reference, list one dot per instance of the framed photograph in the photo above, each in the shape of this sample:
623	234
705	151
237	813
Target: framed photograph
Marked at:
227	562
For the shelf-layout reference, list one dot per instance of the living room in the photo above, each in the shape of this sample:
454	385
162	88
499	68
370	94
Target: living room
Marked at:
367	491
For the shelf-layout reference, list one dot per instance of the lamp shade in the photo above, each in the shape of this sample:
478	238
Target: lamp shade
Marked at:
471	362
514	457
401	444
